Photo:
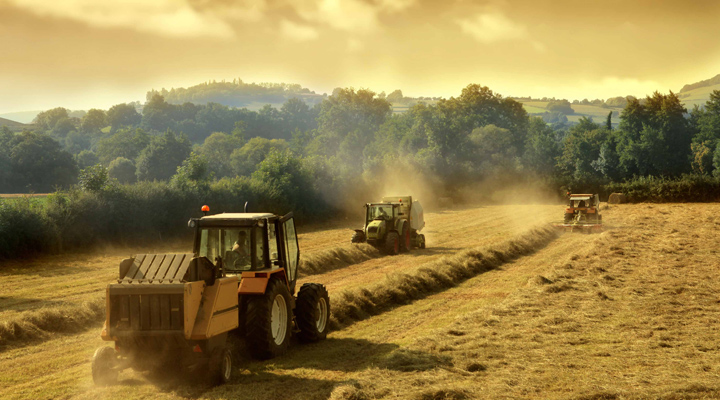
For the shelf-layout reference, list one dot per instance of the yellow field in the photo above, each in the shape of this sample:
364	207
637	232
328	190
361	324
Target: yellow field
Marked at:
628	313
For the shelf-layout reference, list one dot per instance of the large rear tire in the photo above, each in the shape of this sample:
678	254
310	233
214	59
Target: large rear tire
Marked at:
268	321
405	237
312	312
220	366
392	243
103	366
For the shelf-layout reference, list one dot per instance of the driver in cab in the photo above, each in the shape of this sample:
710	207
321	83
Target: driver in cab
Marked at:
242	251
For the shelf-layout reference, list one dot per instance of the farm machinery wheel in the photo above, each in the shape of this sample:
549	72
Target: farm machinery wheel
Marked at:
268	321
421	241
312	312
220	366
104	365
392	243
358	237
405	238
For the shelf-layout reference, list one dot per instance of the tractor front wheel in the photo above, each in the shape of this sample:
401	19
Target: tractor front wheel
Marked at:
421	241
312	312
220	366
392	243
358	237
103	366
268	321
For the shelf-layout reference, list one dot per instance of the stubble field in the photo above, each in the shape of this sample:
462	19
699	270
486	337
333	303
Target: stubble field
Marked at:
498	306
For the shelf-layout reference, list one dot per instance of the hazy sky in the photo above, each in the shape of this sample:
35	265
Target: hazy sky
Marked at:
96	53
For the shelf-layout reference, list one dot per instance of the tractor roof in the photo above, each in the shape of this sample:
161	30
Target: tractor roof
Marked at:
580	196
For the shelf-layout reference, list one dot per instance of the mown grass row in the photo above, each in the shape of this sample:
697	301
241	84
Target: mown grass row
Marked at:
40	324
401	288
339	257
348	307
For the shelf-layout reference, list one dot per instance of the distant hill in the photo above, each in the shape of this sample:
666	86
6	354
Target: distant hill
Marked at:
24	117
698	93
13	125
238	94
714	81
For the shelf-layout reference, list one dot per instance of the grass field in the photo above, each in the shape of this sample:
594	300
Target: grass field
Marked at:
519	312
598	114
698	96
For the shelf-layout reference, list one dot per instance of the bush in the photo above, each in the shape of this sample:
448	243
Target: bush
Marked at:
686	188
23	230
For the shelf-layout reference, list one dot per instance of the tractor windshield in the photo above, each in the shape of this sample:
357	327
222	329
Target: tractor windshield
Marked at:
233	245
380	211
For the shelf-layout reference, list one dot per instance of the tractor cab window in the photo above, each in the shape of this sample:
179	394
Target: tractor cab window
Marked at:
272	244
233	245
380	212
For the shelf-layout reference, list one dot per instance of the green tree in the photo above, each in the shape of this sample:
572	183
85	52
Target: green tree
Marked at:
47	120
122	115
542	148
246	159
217	149
192	175
86	158
123	170
161	158
39	163
127	143
560	106
92	122
395	97
94	178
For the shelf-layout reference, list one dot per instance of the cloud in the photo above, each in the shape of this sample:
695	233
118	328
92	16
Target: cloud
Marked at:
492	27
347	15
300	33
172	18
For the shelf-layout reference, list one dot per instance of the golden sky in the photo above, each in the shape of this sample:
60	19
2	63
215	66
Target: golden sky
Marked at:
96	53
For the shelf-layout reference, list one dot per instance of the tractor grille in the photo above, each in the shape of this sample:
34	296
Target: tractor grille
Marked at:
372	229
133	312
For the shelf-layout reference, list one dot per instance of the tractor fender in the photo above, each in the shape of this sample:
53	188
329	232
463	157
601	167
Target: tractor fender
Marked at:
401	224
255	282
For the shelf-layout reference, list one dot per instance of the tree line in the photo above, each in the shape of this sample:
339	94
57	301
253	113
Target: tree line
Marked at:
354	134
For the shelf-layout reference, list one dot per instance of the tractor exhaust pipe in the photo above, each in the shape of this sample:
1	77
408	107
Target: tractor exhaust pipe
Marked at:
245	208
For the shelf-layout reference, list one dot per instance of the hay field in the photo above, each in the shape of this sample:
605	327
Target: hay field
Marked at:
629	313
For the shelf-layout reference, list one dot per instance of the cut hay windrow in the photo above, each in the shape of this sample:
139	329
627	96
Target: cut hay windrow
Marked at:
399	289
37	325
339	257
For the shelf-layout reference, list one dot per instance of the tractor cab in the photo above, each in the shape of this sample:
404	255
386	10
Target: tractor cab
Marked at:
245	243
381	212
582	201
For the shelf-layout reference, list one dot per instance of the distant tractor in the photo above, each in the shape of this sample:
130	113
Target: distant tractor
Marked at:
392	225
582	213
172	311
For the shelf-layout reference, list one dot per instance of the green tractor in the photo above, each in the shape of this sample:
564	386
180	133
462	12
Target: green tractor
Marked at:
392	225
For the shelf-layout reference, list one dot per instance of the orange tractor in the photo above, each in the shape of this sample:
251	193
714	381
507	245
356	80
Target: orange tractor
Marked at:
172	311
582	213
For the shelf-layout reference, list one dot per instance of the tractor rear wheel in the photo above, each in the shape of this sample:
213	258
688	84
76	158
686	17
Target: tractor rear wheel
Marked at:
312	312
268	321
392	243
220	366
405	238
103	366
358	237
